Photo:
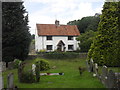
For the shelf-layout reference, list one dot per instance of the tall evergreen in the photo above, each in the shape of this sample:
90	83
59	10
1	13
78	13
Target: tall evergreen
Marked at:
15	31
105	49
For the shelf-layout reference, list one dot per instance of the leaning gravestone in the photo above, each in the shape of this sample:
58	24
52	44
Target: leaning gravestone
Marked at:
111	79
10	80
104	75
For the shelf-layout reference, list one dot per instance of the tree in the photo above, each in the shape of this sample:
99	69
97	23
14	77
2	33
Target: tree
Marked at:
105	49
86	23
33	36
85	40
15	31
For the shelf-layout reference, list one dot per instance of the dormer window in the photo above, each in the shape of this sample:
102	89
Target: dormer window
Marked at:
70	37
49	37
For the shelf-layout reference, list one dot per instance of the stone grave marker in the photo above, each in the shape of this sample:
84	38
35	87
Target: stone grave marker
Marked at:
0	66
91	65
96	69
33	68
104	75
20	71
118	80
111	79
10	65
3	66
10	79
88	66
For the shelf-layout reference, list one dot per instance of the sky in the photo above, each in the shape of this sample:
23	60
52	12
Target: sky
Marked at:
47	11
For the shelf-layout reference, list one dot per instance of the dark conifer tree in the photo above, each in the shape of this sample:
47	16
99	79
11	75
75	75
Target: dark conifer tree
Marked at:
15	31
105	49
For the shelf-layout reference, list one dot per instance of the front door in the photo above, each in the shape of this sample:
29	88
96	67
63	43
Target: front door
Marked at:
60	46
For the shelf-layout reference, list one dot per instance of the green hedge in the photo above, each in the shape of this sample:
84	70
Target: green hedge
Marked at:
61	55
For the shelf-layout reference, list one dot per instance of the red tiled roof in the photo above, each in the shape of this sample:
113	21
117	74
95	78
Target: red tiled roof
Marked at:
61	30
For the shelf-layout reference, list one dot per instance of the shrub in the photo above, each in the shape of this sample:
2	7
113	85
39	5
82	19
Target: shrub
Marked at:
61	55
42	51
28	77
16	63
44	64
37	71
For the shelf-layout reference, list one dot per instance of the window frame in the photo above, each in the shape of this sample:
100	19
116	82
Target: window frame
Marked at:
71	48
49	38
70	37
51	48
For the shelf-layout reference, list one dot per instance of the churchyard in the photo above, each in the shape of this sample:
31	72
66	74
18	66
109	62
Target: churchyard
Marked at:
78	73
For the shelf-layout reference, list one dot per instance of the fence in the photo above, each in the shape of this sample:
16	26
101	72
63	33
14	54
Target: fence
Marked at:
108	77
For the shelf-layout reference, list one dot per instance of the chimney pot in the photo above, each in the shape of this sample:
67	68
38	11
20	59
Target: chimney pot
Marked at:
57	23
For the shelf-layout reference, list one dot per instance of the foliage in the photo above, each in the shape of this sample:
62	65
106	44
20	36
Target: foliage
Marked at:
28	77
106	46
37	71
85	40
15	31
44	64
16	63
42	51
86	23
33	36
61	55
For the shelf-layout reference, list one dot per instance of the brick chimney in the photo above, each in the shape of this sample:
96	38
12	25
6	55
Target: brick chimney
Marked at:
57	23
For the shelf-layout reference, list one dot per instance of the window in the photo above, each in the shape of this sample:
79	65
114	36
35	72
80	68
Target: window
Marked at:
49	37
70	47
49	47
70	37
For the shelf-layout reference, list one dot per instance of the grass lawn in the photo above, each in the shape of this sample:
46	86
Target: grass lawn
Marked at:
70	79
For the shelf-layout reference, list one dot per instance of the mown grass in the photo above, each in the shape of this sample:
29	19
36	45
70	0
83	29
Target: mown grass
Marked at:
70	79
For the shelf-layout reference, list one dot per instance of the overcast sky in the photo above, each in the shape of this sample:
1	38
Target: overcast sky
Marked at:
47	11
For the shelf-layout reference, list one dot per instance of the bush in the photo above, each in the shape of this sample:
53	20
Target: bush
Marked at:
44	64
28	77
37	71
61	55
42	51
16	63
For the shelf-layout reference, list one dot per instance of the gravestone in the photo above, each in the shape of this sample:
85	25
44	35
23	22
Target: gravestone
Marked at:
10	65
104	75
33	68
111	79
96	69
0	66
91	65
88	66
3	66
118	80
10	79
20	71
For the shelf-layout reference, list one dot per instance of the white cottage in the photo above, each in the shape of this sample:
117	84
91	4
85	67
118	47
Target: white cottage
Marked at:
52	37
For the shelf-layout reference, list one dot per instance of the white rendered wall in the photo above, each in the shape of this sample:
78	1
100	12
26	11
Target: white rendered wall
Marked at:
41	42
